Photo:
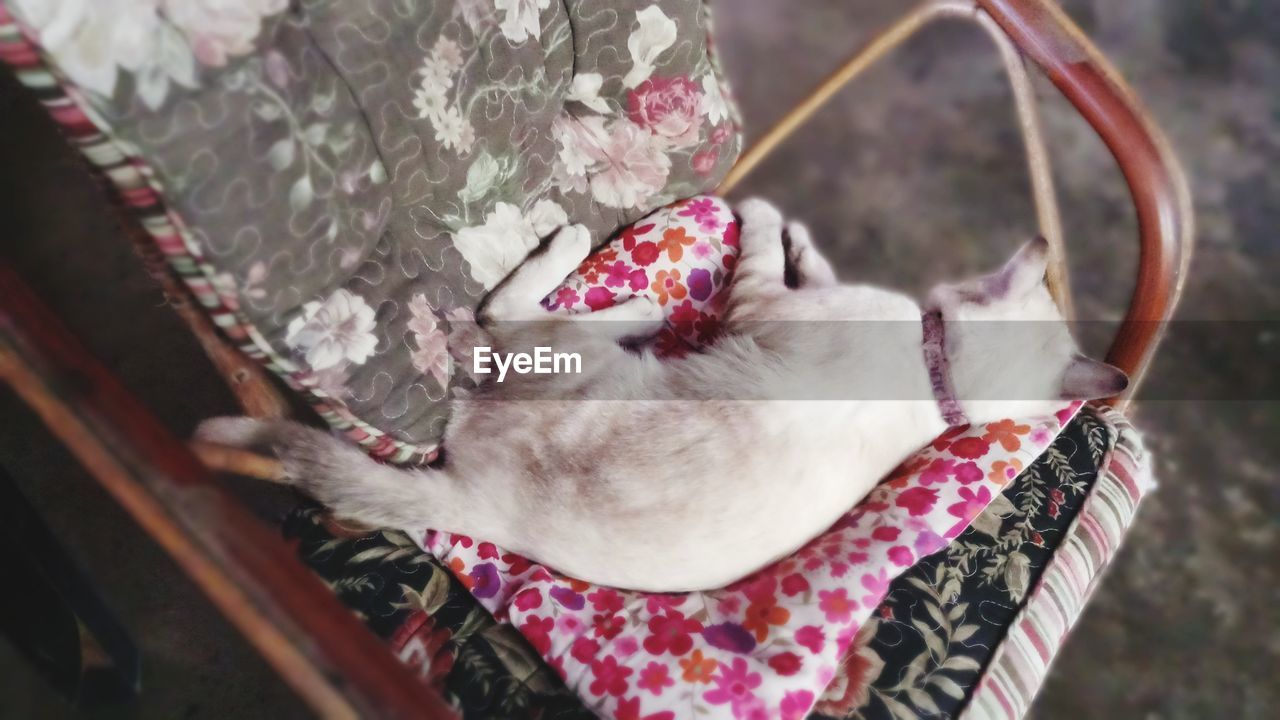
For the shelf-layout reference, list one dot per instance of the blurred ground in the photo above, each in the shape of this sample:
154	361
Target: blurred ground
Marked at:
913	175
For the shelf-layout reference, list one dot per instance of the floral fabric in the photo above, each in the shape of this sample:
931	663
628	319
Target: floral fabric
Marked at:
768	645
487	670
343	181
681	256
934	634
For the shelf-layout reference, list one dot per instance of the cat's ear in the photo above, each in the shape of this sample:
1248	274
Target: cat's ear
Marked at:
1024	271
1086	379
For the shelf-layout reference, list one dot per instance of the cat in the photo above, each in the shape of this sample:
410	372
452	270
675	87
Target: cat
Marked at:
690	474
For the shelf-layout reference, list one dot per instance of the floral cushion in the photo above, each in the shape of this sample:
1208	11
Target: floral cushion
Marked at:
316	170
768	645
931	638
681	257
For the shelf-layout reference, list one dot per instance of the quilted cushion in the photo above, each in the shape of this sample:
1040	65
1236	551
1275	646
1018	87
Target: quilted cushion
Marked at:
323	164
929	643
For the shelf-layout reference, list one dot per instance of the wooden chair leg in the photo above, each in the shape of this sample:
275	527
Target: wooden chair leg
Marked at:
51	613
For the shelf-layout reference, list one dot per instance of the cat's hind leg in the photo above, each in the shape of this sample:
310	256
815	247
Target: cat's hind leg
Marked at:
762	264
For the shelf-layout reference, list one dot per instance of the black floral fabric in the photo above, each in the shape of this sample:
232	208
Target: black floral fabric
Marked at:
920	656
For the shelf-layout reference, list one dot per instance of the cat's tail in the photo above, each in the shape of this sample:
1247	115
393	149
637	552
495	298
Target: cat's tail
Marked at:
341	476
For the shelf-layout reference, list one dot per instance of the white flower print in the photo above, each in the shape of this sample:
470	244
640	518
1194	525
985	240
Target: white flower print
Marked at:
220	29
520	19
447	52
631	166
578	141
656	33
494	249
713	102
431	357
335	331
453	131
465	335
157	41
429	102
586	90
92	40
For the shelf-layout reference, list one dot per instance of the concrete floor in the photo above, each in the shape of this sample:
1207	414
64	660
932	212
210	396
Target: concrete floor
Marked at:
913	175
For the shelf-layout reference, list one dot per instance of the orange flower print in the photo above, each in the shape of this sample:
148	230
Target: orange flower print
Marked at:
459	569
1006	432
667	285
698	669
1002	472
673	241
760	615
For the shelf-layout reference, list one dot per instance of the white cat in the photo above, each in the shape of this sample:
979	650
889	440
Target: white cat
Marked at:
690	474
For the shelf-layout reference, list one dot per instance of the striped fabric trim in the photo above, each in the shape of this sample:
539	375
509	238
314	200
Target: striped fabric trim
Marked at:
137	188
1020	664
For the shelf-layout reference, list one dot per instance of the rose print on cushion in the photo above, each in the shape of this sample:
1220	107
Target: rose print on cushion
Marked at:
769	645
681	256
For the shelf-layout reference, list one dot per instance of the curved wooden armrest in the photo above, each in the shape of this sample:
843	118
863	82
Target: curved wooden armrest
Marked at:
1156	180
1045	35
301	628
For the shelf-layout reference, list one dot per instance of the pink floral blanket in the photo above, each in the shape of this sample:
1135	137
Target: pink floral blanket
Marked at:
768	645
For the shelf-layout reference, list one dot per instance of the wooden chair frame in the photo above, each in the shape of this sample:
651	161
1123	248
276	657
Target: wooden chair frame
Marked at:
317	646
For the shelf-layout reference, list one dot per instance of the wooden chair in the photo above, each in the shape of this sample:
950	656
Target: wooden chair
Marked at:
307	636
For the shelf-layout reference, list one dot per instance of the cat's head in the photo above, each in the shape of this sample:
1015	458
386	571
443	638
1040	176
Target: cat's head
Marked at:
1010	351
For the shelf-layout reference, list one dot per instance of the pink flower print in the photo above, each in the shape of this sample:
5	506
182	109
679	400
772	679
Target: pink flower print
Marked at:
538	632
731	235
632	234
811	637
599	298
886	533
617	274
857	557
937	471
836	604
607	626
646	253
794	584
722	133
583	649
928	543
626	647
683	318
901	556
654	678
968	472
970	448
839	569
528	599
734	684
656	603
729	605
786	664
1064	415
571	625
638	280
877	587
671	631
795	704
702	250
917	500
629	709
609	677
704	161
670	108
971	503
606	600
565	298
1041	436
704	211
